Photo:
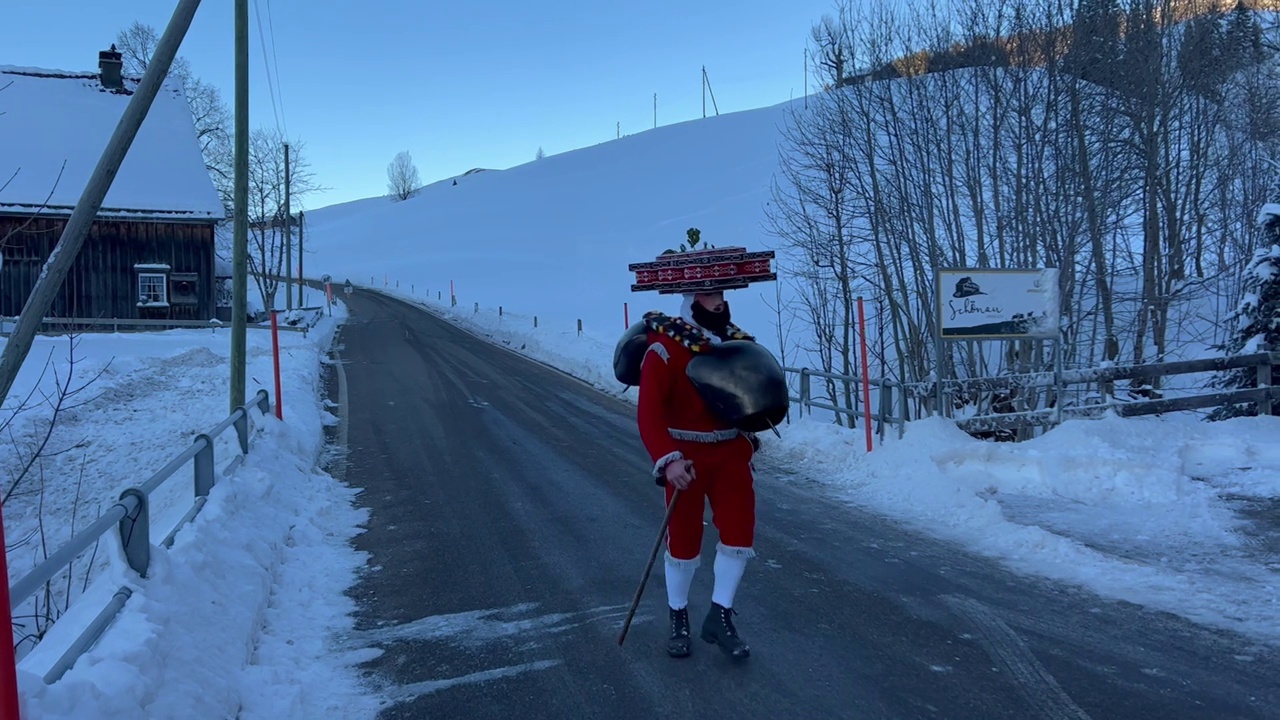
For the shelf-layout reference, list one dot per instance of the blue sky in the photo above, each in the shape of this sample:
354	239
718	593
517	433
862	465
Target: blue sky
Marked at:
458	84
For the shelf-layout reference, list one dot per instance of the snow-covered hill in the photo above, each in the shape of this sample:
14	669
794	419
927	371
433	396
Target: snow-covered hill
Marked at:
553	237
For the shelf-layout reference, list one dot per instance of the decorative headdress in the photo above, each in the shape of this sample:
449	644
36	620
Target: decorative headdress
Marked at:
692	269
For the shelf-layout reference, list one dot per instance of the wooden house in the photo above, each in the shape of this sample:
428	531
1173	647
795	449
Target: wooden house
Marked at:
150	251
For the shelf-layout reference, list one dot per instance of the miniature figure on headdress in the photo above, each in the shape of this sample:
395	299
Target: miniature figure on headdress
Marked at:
706	387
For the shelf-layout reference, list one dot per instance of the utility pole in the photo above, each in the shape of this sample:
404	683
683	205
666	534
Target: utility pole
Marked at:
301	226
64	253
288	237
240	212
706	90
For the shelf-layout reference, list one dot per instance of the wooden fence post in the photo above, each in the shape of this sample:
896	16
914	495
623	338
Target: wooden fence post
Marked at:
804	391
1264	384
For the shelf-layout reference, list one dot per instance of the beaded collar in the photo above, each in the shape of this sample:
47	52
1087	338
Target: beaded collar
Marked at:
688	334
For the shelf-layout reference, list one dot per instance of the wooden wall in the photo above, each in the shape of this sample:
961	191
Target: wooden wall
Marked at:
103	282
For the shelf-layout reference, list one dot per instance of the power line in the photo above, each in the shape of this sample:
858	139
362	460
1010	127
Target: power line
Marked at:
267	65
271	30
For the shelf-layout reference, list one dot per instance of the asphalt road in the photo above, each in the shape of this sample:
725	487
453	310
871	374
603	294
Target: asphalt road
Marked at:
511	517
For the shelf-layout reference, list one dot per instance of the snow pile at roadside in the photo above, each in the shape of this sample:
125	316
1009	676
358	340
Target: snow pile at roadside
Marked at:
236	618
1132	508
140	399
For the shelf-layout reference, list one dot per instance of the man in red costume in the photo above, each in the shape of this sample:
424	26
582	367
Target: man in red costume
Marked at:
702	456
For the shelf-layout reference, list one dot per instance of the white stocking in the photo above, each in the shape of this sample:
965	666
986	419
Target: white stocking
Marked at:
679	579
729	566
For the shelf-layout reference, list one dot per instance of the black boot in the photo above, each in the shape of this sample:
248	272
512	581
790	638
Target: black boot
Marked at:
718	629
678	645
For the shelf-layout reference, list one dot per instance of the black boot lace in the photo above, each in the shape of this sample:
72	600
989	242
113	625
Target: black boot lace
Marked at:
680	622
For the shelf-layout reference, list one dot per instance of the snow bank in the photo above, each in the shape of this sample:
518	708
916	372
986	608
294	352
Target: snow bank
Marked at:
235	619
1136	509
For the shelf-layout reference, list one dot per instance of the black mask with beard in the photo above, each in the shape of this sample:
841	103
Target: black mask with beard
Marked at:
716	322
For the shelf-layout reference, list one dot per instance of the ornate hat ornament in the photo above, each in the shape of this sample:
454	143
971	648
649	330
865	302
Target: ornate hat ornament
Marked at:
693	269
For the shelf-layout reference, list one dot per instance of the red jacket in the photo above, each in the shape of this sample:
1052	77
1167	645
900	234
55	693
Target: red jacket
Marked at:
668	401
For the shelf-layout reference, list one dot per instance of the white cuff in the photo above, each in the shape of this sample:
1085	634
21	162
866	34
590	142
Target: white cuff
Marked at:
661	466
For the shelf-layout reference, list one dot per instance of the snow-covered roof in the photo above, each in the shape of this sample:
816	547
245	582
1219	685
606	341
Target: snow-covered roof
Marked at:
52	117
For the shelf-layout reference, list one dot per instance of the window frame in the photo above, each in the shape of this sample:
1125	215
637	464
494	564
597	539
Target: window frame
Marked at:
144	275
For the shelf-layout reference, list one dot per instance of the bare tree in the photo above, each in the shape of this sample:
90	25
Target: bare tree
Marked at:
830	48
29	429
1110	139
266	206
402	177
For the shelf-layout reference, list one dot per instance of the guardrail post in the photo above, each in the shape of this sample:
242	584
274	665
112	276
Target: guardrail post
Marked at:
204	466
242	429
263	399
135	532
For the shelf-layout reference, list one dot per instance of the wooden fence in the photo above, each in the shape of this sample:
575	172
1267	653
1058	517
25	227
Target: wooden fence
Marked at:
1018	387
1264	394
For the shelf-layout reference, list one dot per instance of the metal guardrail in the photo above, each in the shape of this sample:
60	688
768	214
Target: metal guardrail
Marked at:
884	415
130	516
116	323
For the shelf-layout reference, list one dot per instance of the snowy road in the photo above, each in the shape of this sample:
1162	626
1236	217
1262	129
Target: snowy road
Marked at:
512	515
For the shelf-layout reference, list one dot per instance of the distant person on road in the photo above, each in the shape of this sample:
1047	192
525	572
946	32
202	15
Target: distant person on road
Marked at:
694	450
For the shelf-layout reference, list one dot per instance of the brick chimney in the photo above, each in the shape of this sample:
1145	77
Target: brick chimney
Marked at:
111	67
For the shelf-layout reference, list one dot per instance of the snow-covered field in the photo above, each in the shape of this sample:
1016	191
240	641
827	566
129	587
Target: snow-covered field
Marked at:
1168	512
238	611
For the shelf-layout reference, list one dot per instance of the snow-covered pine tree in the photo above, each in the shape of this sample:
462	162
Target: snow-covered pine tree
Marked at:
1257	318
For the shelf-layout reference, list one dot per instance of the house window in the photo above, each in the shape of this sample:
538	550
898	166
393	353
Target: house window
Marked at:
152	289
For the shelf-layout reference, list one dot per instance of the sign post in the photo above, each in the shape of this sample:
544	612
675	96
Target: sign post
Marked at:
995	304
275	357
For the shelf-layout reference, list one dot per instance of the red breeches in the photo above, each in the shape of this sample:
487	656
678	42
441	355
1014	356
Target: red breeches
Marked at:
725	480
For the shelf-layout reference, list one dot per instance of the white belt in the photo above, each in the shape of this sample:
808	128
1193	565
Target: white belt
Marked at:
699	436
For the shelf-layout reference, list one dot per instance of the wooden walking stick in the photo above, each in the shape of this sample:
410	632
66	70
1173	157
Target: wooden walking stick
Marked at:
635	602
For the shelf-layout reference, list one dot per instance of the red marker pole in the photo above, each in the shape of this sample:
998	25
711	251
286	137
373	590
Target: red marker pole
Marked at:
866	377
275	356
8	661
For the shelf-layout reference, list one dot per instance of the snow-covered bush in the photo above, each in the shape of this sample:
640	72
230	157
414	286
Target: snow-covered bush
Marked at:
1257	318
